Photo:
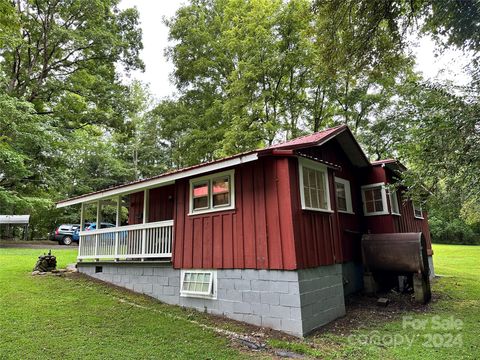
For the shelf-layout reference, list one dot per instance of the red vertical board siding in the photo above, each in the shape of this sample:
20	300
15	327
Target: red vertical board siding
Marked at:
248	225
238	239
335	224
379	224
207	243
217	242
274	236
269	229
179	224
186	244
135	210
297	216
284	201
407	222
227	241
255	235
314	230
198	243
340	233
374	175
161	203
260	217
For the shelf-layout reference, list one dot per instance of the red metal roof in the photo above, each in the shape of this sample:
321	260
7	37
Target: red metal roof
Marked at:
309	139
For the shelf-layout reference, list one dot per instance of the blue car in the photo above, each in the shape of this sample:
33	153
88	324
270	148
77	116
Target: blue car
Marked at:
90	227
103	225
65	234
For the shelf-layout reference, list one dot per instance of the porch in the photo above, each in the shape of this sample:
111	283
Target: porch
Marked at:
130	226
140	241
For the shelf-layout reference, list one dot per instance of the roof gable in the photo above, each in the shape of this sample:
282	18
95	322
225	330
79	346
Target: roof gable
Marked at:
309	140
341	133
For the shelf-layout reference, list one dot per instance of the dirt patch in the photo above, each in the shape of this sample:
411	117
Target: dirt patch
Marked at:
362	312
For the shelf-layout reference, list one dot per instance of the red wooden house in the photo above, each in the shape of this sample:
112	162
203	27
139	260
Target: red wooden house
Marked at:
270	237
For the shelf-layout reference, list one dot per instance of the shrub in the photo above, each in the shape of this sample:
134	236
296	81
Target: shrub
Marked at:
453	232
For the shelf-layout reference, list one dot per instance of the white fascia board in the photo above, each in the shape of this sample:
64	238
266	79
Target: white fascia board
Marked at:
163	180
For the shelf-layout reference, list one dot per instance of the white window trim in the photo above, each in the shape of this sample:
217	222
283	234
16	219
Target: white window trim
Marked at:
210	208
393	197
384	199
421	211
212	288
348	195
319	167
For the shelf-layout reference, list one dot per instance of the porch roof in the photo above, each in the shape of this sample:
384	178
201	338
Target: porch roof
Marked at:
162	179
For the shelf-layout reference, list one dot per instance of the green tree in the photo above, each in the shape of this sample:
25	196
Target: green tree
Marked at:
61	99
139	142
64	60
262	71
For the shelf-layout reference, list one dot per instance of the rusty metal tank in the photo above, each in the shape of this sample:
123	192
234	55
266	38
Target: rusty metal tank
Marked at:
396	254
399	252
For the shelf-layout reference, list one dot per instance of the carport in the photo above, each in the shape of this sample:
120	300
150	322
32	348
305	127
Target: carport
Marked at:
9	222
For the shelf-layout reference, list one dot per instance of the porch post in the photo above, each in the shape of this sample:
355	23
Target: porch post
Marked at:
146	208
82	215
99	214
117	223
82	221
99	226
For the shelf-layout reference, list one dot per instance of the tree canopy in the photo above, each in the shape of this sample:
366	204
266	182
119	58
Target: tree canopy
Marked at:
61	99
248	73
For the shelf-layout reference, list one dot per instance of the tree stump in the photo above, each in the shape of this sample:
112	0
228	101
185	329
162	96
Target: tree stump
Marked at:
46	262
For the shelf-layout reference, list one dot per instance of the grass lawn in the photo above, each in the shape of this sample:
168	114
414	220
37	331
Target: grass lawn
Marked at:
72	317
432	333
47	317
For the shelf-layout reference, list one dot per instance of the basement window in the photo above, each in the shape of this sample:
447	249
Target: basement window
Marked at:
212	193
314	192
374	199
344	196
198	283
417	210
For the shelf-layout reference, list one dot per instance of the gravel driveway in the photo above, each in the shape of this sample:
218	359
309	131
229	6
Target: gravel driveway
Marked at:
36	245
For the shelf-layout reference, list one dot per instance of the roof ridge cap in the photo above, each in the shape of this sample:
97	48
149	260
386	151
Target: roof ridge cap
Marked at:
307	135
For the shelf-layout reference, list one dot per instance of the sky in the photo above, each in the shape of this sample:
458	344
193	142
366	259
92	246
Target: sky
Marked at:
447	66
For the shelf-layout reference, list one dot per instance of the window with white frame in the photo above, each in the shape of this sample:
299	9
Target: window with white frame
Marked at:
344	195
374	199
198	283
314	193
212	193
394	207
417	210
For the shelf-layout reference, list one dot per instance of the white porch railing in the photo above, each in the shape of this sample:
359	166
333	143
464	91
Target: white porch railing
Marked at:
140	241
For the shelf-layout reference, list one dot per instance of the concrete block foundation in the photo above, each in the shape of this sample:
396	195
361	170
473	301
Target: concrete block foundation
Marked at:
352	277
430	266
295	302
